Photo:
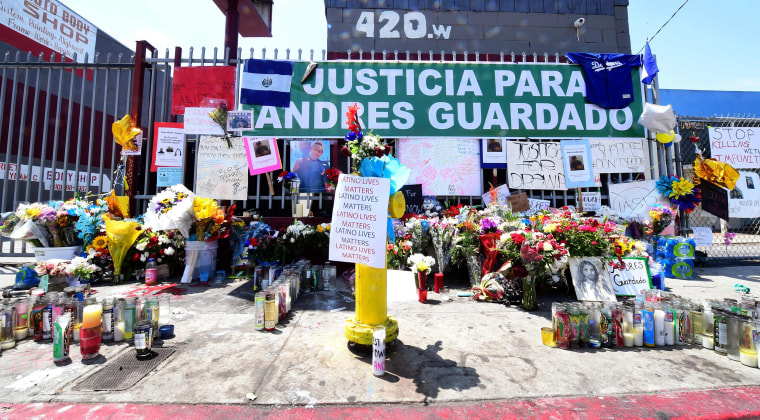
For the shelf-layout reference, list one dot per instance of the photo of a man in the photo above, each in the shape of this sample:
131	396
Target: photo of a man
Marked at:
494	145
576	163
310	168
262	148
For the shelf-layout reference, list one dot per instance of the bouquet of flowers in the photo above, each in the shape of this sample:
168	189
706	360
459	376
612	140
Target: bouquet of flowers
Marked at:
165	247
420	264
52	268
582	237
681	192
418	230
331	176
660	218
98	255
121	235
209	218
287	178
81	268
90	218
467	243
45	225
443	232
171	209
360	146
397	253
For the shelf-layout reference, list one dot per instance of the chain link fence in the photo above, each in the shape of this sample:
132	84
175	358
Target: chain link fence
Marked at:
737	237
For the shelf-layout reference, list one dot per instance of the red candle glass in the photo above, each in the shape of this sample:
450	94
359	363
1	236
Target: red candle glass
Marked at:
422	286
89	341
438	285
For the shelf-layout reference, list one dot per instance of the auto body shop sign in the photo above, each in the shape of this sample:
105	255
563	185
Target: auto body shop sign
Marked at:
448	100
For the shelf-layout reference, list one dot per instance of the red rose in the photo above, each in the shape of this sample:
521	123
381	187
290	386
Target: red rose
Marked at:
345	151
135	257
517	238
378	152
387	149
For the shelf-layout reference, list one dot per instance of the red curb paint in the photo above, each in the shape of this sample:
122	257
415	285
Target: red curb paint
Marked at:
727	403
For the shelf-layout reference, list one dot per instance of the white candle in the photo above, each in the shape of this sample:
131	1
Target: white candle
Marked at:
76	333
748	358
669	333
638	336
659	327
707	342
628	339
118	331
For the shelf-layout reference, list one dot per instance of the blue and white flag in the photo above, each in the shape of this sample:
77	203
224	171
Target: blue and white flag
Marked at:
266	82
649	66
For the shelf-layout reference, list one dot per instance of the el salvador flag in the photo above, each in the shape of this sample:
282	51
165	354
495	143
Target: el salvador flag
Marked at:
649	66
266	82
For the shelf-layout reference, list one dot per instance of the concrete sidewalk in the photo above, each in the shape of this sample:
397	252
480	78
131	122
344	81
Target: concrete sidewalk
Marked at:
450	350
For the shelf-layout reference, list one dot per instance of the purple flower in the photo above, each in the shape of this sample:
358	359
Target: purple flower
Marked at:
487	225
48	214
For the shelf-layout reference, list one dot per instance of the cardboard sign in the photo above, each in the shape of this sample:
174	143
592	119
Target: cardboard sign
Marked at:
737	146
519	202
702	236
359	220
170	141
744	199
263	155
502	192
535	166
204	86
592	200
714	199
632	279
611	156
633	200
413	197
576	160
197	121
221	170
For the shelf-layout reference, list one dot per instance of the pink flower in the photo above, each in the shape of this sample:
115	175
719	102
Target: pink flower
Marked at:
594	243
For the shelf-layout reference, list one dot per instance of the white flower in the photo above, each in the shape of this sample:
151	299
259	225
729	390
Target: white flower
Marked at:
160	259
146	254
548	246
292	240
143	258
141	246
169	251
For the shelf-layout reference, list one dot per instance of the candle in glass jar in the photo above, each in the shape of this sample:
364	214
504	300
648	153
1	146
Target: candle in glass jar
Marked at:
659	327
91	316
628	339
669	328
708	342
118	331
748	358
638	336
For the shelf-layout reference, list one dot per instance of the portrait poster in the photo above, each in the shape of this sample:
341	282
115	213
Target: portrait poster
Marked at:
590	279
576	158
308	160
493	153
263	155
221	170
169	146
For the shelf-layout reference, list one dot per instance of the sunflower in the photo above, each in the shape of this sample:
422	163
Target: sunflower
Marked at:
100	243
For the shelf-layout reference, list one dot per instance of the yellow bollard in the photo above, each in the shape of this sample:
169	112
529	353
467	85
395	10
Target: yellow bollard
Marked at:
371	306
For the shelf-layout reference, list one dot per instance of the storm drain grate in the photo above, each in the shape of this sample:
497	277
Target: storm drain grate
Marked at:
124	372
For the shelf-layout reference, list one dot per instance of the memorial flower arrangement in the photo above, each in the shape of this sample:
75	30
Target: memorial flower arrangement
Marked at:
171	209
165	247
51	224
660	217
582	237
209	218
331	179
89	218
397	253
681	192
360	146
52	268
81	267
443	232
418	234
121	235
420	263
287	179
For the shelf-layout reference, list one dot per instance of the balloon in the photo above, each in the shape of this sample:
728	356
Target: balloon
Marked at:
665	138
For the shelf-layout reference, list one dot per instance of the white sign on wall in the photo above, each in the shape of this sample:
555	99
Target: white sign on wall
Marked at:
629	281
737	146
611	156
744	199
633	200
51	24
359	220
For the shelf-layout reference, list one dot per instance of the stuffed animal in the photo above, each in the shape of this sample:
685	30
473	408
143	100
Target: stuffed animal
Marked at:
431	206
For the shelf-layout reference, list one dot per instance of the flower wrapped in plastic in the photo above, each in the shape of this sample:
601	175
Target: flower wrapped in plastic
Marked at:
443	232
208	217
171	209
121	235
660	217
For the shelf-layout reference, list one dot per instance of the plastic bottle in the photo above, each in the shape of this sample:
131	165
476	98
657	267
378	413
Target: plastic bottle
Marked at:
151	275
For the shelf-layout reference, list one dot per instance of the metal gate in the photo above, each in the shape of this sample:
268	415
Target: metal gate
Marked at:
735	238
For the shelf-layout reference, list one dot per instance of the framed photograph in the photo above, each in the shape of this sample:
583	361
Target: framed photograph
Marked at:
493	153
309	160
590	279
239	120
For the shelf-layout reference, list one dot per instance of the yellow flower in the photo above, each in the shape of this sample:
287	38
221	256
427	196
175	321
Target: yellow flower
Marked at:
327	228
681	187
33	212
320	229
100	242
551	227
421	266
204	207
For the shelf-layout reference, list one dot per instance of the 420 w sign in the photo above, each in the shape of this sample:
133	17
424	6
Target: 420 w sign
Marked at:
447	100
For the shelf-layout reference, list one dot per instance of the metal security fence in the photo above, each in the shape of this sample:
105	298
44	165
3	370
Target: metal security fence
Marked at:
736	238
55	124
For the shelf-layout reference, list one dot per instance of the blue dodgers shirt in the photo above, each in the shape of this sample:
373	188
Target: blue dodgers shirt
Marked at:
608	77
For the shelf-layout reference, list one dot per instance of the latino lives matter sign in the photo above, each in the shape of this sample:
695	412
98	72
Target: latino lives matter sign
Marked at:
359	220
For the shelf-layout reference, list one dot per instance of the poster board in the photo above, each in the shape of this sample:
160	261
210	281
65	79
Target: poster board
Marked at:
629	281
535	166
592	200
737	146
590	279
203	86
633	200
619	155
166	177
714	199
197	121
538	205
263	155
221	171
702	235
518	202
443	166
502	192
744	199
359	219
413	198
576	161
168	135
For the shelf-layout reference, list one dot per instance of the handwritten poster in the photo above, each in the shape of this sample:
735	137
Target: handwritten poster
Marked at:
633	200
592	200
535	166
166	177
263	155
518	202
744	199
619	156
714	199
169	135
632	279
494	153
537	205
702	235
221	172
197	121
444	166
205	86
737	146
359	219
576	157
502	192
413	198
